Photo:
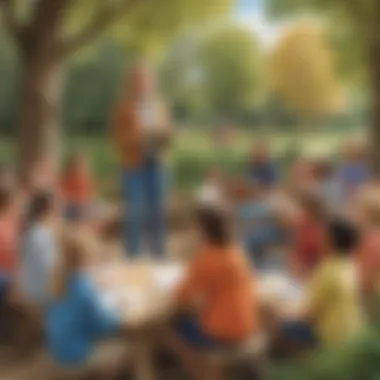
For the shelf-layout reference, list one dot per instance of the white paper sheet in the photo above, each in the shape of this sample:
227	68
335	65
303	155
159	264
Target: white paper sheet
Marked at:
167	277
277	285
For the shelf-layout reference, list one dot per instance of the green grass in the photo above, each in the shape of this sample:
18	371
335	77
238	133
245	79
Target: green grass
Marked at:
193	152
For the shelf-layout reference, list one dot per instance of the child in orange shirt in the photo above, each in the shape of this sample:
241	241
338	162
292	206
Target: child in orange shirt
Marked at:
217	294
77	188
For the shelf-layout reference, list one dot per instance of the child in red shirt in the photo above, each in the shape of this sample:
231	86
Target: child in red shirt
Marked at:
77	188
368	257
9	230
309	236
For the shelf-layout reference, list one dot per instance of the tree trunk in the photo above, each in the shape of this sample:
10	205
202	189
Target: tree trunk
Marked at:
39	120
39	112
374	78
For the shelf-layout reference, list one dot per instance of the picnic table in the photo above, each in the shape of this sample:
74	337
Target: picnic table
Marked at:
144	293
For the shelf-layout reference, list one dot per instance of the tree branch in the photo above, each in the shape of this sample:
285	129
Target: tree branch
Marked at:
107	15
14	28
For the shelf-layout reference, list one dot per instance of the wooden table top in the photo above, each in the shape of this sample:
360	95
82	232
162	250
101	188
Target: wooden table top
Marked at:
144	291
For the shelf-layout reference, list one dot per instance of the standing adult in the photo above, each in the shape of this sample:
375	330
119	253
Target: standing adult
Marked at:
141	134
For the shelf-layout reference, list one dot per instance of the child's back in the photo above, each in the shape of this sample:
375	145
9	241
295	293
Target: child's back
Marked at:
75	321
223	281
38	258
334	295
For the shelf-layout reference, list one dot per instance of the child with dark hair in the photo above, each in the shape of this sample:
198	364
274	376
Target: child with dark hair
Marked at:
38	248
331	312
217	293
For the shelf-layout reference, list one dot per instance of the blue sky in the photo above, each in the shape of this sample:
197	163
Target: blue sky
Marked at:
249	5
251	14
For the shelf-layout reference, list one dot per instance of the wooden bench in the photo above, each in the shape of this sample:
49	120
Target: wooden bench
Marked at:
250	353
109	356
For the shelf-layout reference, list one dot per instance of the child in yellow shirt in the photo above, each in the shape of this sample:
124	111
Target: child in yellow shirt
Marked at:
331	312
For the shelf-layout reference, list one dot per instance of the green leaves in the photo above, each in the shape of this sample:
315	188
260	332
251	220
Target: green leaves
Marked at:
348	21
149	23
230	58
358	360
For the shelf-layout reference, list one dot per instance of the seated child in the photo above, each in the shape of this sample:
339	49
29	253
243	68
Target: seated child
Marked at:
302	176
18	326
368	258
39	249
331	312
217	299
9	231
76	318
258	225
308	236
212	191
77	188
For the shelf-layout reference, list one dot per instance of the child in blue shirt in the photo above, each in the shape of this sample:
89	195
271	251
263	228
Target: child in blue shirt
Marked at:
354	171
76	318
39	249
258	226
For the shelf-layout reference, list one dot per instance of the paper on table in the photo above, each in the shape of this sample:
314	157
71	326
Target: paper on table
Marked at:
127	300
280	286
167	277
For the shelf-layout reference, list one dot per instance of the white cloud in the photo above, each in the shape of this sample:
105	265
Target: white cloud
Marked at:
268	32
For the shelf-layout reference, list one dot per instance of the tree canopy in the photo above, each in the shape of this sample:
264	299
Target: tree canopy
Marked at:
230	60
143	24
302	72
352	24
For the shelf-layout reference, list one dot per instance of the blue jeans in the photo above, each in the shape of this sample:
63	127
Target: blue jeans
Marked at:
191	332
300	332
144	196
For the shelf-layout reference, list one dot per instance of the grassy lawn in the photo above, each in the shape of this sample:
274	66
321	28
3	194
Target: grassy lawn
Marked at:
193	152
